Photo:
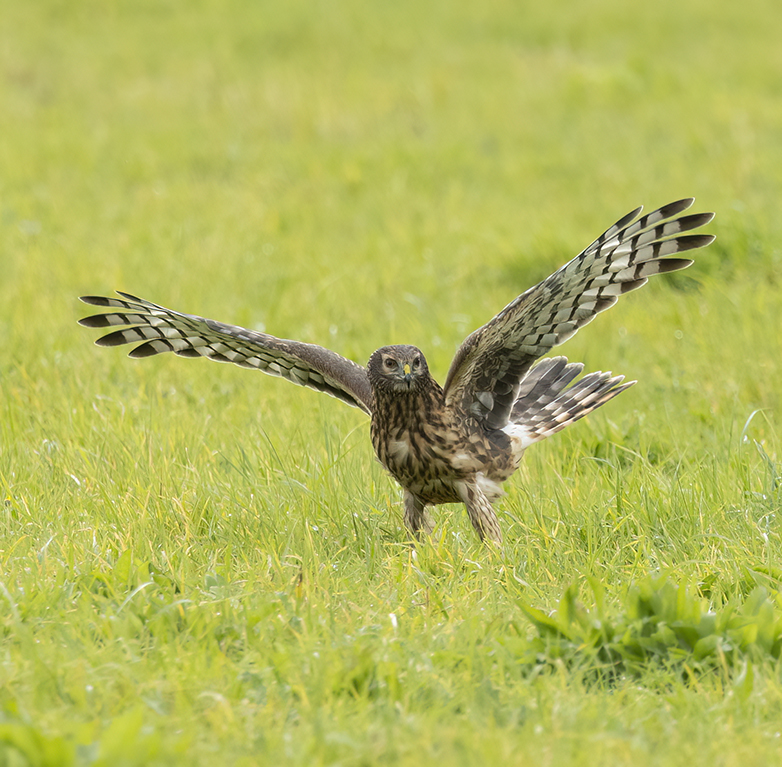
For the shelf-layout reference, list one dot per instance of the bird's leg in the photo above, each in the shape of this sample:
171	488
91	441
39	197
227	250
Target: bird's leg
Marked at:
417	518
481	512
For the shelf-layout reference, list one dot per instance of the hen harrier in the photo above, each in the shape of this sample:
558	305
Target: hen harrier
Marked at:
459	442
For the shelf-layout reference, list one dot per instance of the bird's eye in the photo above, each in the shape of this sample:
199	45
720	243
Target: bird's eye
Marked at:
416	363
389	363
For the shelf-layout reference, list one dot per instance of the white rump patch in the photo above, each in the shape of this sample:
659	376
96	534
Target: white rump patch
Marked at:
521	438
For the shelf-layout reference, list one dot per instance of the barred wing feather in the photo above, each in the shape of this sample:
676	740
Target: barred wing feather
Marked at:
488	368
162	330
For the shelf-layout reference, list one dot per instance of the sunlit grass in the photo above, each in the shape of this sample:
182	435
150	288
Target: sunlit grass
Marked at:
203	565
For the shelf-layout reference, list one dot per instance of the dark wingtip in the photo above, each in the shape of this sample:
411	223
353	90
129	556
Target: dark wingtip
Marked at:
628	218
694	221
142	351
693	241
117	338
95	300
666	265
672	208
93	321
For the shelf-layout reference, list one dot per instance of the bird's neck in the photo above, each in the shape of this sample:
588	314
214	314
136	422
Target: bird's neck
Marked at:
422	403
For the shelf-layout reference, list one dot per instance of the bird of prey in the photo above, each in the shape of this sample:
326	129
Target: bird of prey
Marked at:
458	442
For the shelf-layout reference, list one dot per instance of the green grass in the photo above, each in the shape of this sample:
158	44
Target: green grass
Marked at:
202	565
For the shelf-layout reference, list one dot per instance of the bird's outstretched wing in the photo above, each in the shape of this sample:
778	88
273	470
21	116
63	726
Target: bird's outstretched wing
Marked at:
162	330
486	372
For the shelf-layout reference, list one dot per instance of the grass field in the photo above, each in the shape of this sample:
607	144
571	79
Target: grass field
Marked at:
202	565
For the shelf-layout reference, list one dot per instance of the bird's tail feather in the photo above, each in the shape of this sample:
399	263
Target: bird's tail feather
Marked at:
546	403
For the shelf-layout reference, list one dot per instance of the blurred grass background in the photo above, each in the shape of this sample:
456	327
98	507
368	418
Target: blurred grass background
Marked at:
355	174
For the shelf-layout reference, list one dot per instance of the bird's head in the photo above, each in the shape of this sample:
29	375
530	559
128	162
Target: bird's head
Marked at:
398	369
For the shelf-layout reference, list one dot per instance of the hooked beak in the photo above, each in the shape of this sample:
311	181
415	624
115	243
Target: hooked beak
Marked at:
407	372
